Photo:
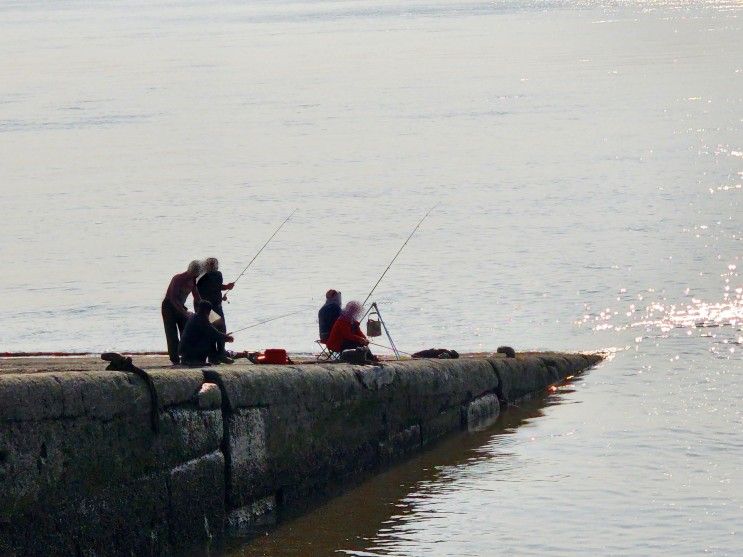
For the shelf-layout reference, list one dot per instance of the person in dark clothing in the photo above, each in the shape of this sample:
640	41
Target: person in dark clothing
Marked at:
174	312
210	288
329	313
200	337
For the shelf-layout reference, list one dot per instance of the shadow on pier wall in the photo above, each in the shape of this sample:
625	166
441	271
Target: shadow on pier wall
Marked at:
346	523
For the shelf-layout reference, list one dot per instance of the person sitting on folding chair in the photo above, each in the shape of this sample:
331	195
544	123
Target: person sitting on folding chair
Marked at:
328	313
346	333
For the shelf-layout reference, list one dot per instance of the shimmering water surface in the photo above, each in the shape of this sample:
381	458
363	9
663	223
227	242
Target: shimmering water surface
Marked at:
588	161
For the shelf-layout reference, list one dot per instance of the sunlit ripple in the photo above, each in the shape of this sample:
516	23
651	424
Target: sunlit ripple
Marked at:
659	317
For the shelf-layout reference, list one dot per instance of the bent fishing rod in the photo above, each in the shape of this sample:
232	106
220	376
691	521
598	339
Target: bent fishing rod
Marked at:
267	321
260	250
398	253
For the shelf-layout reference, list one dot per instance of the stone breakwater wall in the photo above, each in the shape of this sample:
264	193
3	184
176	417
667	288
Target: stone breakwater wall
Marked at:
84	469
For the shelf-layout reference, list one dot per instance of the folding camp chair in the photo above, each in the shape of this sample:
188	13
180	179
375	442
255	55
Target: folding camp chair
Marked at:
326	354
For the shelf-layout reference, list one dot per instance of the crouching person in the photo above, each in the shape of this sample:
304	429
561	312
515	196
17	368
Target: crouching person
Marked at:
200	338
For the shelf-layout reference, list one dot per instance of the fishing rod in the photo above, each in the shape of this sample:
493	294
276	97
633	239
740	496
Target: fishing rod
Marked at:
260	250
390	348
398	253
267	321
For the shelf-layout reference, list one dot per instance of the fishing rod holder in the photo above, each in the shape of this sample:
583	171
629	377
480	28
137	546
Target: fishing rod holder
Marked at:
374	327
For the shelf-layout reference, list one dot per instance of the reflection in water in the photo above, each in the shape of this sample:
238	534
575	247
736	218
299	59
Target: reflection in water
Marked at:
347	523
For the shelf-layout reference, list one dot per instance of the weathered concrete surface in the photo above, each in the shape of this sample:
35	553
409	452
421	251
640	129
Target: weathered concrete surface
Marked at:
84	473
528	374
295	431
29	365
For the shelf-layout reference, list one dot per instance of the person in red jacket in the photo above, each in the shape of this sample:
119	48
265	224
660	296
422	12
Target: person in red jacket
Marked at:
346	332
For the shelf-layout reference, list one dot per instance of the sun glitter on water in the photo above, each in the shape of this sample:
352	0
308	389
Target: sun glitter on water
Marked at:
720	321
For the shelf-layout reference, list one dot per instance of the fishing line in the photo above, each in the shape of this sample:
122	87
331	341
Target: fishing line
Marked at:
398	253
267	321
260	250
390	348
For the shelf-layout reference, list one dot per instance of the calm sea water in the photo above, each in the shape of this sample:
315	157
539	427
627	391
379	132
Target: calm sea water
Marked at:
587	159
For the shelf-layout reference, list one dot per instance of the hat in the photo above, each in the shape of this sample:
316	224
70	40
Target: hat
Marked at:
331	294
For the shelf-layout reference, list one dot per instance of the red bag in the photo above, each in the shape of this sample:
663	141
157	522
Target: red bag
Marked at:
277	356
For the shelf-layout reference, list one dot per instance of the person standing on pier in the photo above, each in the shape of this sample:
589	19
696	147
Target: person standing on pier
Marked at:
210	288
174	311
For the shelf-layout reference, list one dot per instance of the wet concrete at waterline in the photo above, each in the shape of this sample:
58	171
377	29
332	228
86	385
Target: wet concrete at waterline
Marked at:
355	521
626	459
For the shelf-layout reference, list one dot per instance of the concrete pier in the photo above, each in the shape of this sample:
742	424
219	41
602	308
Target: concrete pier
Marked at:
87	467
